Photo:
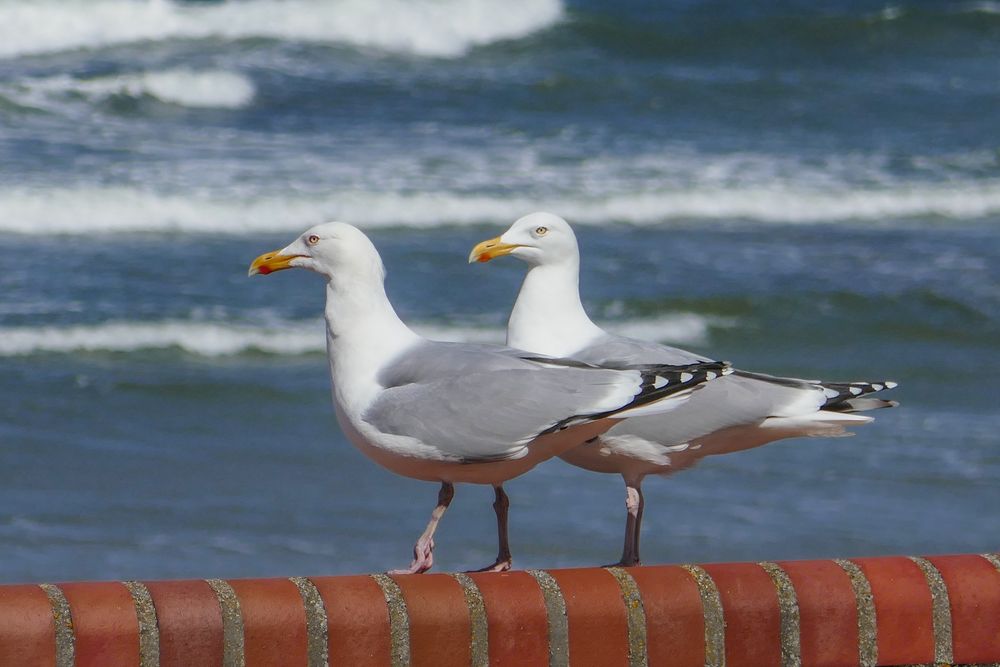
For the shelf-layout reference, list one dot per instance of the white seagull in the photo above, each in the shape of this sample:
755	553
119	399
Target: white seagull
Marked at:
452	412
740	411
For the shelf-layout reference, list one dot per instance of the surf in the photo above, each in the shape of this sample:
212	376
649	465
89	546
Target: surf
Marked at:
445	29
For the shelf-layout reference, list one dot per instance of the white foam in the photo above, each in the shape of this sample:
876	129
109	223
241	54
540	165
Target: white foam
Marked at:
890	13
215	339
893	12
211	88
684	328
184	87
794	205
444	28
202	338
97	209
985	7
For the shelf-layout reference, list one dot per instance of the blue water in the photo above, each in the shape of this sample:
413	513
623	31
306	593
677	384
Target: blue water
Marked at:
800	189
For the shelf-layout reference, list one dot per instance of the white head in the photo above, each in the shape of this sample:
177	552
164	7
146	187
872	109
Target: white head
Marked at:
335	250
538	239
548	316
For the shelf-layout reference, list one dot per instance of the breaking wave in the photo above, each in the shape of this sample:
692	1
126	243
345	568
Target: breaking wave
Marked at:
100	210
215	339
893	12
181	86
419	27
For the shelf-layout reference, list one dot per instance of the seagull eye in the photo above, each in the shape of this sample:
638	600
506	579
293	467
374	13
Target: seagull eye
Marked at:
541	231
312	240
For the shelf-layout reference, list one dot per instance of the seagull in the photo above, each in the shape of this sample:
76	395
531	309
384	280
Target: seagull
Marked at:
739	411
454	412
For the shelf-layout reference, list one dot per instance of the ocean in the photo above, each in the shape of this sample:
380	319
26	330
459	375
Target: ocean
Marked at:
802	189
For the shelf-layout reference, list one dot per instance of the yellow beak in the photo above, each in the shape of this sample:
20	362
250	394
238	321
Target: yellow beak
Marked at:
270	262
491	249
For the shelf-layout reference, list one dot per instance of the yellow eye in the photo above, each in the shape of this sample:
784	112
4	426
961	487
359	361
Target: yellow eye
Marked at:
541	231
312	240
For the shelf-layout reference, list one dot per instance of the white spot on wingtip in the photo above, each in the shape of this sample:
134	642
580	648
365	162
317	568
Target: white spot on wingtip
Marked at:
660	382
891	385
686	377
710	375
830	393
856	391
878	387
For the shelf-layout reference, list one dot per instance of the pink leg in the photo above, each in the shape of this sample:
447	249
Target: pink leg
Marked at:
500	506
633	522
423	551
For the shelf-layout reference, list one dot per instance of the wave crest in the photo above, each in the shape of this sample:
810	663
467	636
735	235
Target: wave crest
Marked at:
100	210
183	87
215	339
419	27
894	12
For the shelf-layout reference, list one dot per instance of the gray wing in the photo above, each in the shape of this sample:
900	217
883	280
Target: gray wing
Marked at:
493	415
733	400
739	399
429	360
745	398
482	403
617	351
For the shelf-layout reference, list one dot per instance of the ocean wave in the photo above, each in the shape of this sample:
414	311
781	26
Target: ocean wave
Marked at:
217	339
420	27
102	210
893	12
202	338
180	86
982	7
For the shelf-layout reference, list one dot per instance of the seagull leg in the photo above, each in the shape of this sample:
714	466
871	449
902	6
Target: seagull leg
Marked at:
500	506
423	550
633	504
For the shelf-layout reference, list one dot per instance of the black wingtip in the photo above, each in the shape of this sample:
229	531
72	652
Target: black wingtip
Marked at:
662	380
842	393
658	382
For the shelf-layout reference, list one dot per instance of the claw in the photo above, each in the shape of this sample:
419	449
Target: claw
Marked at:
423	557
499	566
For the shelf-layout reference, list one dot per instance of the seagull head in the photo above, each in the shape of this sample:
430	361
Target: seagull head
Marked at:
537	238
331	249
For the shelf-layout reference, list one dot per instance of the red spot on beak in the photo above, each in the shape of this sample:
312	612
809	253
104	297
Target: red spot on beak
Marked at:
482	259
264	270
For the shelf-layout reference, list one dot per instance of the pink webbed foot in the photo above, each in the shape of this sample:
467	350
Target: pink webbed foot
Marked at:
423	558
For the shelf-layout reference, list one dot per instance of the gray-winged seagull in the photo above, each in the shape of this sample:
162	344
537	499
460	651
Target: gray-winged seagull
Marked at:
740	411
452	412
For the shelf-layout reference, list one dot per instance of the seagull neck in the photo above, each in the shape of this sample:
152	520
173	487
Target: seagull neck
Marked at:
548	317
362	324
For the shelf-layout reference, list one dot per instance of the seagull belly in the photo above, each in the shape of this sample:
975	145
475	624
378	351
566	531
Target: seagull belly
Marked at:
425	463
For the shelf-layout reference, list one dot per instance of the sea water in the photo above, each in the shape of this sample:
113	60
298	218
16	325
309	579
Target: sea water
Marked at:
803	190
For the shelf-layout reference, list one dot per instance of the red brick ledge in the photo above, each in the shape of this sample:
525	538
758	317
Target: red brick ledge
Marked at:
866	611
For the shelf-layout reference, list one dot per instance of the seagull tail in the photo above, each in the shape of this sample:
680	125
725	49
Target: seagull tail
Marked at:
852	396
842	397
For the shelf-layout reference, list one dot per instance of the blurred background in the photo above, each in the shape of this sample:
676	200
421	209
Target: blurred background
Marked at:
803	190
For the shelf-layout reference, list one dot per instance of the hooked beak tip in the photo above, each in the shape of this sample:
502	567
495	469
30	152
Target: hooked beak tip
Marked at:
270	262
490	249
